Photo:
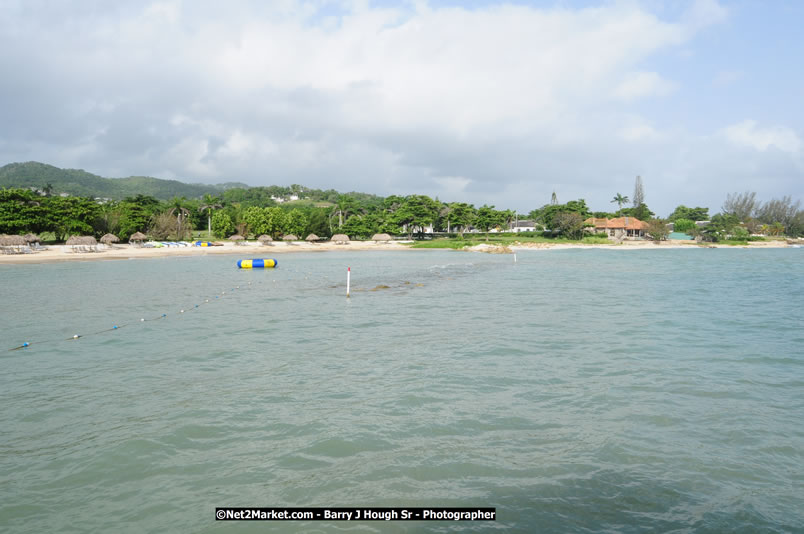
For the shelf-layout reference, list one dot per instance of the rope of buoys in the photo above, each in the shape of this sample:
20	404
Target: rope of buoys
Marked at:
114	327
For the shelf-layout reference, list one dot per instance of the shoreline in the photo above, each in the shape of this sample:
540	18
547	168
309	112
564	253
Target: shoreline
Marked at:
642	245
63	253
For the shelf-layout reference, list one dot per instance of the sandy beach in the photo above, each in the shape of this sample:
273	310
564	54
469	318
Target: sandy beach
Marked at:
59	253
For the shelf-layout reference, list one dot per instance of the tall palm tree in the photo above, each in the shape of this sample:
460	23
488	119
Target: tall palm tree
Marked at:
508	217
444	214
343	208
620	200
181	213
777	228
208	204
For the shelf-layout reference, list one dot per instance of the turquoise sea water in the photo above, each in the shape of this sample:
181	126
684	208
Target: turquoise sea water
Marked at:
575	391
678	235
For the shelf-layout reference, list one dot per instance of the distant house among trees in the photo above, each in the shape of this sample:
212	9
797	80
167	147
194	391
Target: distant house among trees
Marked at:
279	199
522	226
619	228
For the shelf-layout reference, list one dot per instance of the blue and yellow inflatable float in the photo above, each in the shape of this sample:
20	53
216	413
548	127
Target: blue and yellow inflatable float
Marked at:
268	263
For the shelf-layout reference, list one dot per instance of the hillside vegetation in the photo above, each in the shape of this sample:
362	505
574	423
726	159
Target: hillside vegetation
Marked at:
77	182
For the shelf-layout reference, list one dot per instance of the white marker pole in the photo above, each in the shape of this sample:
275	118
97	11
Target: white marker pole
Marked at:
348	280
514	258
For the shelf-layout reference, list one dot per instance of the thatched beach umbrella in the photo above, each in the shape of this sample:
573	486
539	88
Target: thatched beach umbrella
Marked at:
381	237
265	239
31	238
90	242
16	241
237	238
137	237
108	239
312	238
290	237
82	241
74	241
339	239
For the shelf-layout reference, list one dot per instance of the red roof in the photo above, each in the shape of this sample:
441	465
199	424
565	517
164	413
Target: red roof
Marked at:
620	223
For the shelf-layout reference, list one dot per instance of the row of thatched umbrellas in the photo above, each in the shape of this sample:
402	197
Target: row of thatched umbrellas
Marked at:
29	239
337	238
108	239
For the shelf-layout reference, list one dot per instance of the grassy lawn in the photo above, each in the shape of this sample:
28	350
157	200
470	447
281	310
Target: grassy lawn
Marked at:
505	240
308	202
446	243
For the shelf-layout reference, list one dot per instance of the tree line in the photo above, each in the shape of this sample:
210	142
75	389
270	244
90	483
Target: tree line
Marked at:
252	212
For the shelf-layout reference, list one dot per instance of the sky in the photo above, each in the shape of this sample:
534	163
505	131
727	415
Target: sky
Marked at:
487	102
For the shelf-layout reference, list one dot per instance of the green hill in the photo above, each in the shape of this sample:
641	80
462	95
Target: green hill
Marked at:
78	182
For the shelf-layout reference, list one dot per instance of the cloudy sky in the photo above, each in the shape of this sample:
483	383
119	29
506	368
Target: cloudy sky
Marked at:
478	101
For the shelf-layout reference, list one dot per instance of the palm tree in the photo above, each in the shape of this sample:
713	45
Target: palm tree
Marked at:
509	216
209	203
344	207
181	214
445	213
620	200
777	228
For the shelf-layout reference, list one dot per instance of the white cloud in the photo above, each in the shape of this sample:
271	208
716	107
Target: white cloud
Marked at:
748	134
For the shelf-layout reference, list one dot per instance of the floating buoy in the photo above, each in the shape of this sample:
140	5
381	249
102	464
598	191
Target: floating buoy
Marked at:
268	263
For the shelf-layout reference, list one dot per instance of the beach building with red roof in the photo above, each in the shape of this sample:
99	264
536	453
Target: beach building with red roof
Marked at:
619	228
